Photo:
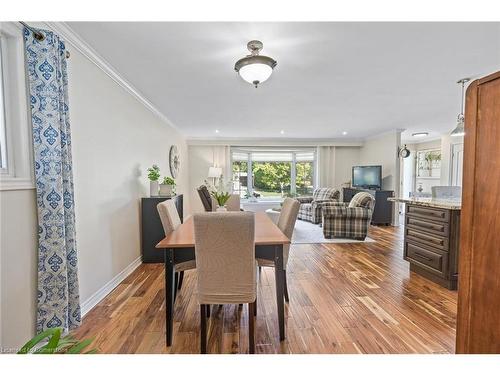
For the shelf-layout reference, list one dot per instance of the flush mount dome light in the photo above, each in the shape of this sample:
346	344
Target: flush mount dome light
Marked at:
255	68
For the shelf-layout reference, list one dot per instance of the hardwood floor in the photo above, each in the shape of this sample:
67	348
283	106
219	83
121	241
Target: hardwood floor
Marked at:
344	298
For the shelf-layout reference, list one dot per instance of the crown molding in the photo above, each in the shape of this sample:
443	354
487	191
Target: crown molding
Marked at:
311	142
71	37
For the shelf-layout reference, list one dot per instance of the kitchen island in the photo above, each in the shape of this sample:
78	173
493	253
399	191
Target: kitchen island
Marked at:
431	238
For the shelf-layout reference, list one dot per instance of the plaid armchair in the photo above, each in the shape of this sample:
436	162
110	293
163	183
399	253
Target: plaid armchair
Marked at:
342	220
310	207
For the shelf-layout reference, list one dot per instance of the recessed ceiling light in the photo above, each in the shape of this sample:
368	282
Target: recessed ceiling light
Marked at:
344	133
282	131
420	134
217	131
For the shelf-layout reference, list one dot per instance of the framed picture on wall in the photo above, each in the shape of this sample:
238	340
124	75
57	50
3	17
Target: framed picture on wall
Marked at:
429	163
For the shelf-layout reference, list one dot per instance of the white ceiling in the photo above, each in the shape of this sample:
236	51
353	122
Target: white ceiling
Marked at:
362	78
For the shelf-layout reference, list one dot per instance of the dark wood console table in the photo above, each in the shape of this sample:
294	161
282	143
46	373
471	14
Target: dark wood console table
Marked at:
152	229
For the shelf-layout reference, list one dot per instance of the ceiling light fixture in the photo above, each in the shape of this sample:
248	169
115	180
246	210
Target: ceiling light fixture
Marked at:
420	134
344	133
282	132
460	128
255	68
217	131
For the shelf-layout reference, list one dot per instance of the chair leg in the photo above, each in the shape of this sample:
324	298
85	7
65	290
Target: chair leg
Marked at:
176	283
255	309
208	311
285	286
203	330
181	278
251	328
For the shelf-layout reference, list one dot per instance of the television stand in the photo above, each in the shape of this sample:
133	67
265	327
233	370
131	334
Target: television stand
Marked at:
382	214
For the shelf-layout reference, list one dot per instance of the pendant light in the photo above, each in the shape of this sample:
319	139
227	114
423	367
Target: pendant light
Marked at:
460	128
255	68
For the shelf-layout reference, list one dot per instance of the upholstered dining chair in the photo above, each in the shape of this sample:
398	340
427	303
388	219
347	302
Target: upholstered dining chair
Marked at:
286	223
206	198
225	259
170	221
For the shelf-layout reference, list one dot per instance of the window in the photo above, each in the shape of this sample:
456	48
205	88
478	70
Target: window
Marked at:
272	174
16	155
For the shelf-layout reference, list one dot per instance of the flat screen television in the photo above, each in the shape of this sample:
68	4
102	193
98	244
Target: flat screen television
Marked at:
367	176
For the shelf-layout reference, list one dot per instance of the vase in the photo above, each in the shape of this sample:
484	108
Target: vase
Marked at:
221	209
166	190
153	188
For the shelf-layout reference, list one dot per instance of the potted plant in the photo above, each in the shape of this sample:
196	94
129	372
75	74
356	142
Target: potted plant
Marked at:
153	175
220	193
52	341
167	187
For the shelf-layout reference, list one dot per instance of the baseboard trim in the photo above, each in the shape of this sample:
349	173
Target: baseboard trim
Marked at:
98	296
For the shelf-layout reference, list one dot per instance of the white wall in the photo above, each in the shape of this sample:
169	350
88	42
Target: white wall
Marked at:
382	150
115	139
345	159
18	260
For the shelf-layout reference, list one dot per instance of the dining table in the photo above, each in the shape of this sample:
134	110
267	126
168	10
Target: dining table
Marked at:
179	246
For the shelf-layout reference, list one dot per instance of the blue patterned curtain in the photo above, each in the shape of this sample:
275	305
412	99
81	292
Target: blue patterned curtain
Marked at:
58	294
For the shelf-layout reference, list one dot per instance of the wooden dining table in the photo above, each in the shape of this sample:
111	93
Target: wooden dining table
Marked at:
179	247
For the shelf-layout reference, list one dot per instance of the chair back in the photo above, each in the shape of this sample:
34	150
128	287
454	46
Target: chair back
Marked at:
286	223
168	215
326	193
206	198
225	257
364	200
446	192
288	216
233	204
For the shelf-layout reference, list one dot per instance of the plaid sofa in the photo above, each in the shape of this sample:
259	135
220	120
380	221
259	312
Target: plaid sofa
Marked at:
310	207
342	220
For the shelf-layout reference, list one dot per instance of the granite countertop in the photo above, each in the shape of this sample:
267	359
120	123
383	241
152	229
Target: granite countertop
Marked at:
450	204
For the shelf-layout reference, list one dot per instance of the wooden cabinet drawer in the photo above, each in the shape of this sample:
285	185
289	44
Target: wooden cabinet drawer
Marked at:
435	227
435	262
429	213
426	238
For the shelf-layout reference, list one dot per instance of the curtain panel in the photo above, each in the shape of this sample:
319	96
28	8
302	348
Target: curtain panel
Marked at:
58	293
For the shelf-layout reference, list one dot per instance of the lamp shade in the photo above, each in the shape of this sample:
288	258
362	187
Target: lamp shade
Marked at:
255	73
460	129
214	172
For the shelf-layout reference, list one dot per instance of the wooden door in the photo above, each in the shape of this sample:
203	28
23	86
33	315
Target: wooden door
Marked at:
478	321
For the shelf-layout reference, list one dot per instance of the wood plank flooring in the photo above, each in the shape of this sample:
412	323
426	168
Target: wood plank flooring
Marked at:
344	298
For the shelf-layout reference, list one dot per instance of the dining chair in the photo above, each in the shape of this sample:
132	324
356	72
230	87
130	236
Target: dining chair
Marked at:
225	260
286	223
206	198
233	203
170	220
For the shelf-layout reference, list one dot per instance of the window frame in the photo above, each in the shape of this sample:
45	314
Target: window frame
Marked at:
277	150
19	172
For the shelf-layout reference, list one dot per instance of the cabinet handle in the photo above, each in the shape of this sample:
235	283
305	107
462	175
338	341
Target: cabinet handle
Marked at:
425	237
432	213
423	256
426	225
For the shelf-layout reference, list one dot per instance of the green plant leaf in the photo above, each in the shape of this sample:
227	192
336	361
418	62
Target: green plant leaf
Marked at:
38	338
51	346
77	349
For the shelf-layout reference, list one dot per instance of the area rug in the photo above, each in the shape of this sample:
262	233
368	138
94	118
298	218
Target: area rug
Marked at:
306	232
